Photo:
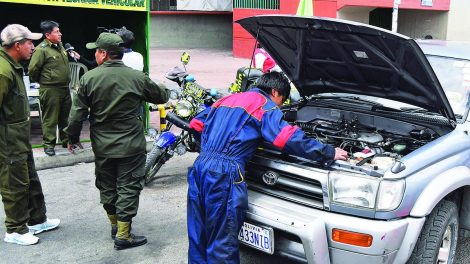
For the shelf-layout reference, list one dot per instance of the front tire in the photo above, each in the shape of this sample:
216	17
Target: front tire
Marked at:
155	160
437	242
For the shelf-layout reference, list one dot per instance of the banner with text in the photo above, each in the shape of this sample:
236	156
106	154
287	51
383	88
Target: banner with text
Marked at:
130	5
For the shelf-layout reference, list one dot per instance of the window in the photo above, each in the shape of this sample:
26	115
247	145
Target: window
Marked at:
256	4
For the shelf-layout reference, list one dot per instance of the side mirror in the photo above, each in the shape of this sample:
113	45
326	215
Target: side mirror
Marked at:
185	58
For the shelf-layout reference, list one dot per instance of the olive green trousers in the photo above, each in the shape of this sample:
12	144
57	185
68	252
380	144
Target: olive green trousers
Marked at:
21	192
55	108
120	181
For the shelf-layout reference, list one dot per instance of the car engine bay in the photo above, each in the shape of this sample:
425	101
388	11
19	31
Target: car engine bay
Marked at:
373	141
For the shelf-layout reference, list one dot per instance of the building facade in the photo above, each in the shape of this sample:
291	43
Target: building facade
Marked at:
209	23
441	19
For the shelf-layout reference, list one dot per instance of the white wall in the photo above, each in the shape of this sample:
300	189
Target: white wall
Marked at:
458	27
419	23
191	31
206	5
353	13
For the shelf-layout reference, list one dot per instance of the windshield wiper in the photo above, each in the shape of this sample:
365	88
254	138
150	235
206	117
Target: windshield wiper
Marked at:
413	110
348	98
418	110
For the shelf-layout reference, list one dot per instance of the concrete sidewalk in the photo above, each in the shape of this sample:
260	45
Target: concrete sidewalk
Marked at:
64	158
211	68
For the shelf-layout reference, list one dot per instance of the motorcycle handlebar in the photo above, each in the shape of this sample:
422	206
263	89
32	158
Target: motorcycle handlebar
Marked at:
173	118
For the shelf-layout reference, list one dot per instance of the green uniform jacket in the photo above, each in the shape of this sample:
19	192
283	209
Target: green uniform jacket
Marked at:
114	94
49	65
15	126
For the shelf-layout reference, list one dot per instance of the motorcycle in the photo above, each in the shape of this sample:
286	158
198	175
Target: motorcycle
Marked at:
245	79
190	99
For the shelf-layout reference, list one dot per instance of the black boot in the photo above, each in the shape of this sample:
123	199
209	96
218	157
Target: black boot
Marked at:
113	221
125	239
49	151
113	232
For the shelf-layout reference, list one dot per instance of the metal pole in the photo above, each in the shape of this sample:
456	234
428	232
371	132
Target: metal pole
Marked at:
395	15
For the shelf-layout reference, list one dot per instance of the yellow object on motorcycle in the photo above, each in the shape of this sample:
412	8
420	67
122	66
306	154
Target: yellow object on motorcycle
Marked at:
193	89
162	112
185	58
245	79
237	85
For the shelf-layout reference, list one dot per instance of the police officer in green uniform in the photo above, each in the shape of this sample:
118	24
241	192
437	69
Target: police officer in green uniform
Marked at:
49	67
113	93
20	187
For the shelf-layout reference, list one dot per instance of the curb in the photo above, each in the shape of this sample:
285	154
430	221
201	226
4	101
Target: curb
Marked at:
67	159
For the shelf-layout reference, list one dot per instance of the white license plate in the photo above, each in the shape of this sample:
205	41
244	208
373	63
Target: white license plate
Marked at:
258	237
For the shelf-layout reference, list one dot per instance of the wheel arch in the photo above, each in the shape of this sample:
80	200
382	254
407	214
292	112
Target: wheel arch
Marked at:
449	184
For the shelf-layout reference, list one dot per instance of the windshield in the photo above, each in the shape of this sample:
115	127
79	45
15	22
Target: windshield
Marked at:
454	76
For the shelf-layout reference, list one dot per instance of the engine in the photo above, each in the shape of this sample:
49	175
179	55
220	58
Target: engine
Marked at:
366	145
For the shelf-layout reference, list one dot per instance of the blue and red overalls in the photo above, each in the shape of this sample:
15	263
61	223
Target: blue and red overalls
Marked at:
232	129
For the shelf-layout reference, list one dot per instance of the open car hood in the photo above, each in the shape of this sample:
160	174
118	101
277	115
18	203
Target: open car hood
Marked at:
321	55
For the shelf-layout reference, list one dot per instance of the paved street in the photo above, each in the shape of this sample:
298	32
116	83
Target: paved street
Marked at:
83	236
211	68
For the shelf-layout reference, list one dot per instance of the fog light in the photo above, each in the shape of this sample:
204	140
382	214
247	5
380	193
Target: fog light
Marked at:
351	238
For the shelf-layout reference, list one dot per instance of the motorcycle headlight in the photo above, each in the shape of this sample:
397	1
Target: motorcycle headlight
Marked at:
183	108
356	190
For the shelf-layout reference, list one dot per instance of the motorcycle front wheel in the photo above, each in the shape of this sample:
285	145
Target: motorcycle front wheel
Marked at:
155	160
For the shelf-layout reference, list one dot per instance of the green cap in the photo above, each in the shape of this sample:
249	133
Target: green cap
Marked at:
107	41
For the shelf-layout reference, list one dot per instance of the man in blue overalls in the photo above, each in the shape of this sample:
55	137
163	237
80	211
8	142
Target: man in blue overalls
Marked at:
231	130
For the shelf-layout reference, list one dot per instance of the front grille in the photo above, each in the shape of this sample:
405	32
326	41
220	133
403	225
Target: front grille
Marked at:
299	188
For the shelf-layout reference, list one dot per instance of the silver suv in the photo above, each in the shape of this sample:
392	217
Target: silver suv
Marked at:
400	108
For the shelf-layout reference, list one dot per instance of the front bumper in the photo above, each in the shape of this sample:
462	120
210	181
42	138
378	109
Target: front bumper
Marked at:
304	233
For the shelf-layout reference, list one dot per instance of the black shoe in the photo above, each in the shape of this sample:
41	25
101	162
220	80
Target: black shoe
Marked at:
133	241
49	151
64	145
113	232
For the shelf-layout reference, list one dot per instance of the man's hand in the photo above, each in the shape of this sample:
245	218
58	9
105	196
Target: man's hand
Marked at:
76	55
73	147
341	154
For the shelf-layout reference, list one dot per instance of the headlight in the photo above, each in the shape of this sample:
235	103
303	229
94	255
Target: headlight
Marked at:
356	190
390	195
183	108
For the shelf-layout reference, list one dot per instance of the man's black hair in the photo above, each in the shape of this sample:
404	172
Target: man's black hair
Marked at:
127	36
276	81
115	55
428	37
48	25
